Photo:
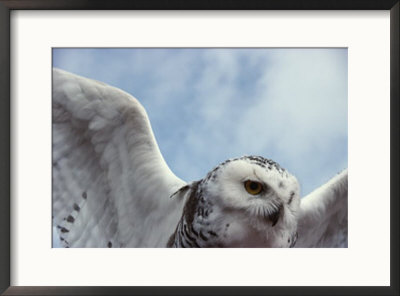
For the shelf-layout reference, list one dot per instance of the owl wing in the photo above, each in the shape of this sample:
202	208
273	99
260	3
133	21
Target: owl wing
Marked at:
323	215
111	185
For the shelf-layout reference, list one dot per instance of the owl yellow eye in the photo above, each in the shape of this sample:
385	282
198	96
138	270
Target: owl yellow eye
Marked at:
252	187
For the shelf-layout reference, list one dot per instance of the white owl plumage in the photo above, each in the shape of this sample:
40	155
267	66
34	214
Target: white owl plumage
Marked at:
112	187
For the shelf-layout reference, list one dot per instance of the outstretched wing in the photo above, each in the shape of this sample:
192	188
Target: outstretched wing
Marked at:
111	185
323	216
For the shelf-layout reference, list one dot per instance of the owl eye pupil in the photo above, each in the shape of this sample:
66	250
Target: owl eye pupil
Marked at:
253	185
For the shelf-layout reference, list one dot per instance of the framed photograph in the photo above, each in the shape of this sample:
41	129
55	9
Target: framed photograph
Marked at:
214	112
162	148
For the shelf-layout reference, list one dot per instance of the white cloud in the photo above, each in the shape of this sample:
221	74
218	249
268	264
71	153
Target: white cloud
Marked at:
301	109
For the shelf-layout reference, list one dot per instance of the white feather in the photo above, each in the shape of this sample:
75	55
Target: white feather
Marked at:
323	215
120	170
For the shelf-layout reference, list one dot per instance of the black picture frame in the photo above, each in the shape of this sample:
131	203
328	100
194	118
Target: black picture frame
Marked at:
6	6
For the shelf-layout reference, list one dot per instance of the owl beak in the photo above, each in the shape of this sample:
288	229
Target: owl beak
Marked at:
274	217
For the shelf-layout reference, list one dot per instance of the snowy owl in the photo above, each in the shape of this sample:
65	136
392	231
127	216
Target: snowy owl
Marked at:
112	187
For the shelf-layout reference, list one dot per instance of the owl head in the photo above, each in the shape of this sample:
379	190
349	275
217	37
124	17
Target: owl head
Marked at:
249	201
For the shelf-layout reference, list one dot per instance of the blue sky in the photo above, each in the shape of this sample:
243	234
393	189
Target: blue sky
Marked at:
208	105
